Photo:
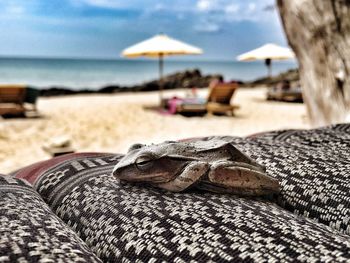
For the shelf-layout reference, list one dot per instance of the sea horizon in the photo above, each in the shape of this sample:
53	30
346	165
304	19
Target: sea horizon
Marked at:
94	73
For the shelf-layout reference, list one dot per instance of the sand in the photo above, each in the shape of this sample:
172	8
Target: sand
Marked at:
111	123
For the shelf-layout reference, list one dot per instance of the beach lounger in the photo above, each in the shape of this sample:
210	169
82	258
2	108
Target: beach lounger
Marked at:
17	99
218	102
12	99
283	91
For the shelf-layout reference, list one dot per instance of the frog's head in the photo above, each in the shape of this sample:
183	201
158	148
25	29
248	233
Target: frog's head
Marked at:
153	163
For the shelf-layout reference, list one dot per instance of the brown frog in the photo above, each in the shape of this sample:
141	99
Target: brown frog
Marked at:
214	165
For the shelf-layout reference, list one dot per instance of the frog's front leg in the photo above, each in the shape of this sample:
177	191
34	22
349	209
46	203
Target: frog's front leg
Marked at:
189	176
241	179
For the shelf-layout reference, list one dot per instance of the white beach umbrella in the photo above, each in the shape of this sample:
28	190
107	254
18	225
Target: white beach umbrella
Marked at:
160	46
268	53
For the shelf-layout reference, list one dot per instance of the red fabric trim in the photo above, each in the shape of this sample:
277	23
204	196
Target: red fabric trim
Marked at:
32	172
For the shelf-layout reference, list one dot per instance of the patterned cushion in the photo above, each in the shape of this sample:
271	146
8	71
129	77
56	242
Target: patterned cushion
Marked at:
313	167
30	232
129	223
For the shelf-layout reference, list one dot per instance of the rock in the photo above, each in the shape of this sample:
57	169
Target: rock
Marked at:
109	89
185	79
290	75
59	146
59	91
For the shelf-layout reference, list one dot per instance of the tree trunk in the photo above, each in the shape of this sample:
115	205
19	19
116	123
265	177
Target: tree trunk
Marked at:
319	33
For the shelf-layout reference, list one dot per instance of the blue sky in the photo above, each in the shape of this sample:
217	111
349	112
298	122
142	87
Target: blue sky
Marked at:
103	28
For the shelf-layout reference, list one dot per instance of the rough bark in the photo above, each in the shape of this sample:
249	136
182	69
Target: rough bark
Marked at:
319	33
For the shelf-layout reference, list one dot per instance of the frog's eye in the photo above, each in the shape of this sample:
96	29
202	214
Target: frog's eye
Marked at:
136	146
144	162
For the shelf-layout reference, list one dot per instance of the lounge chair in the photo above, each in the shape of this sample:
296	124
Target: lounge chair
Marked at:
12	99
283	91
17	99
218	101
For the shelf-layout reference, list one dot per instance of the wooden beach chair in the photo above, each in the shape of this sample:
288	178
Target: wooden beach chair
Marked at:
18	100
12	99
218	101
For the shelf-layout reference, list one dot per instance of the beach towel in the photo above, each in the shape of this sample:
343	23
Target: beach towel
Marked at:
174	102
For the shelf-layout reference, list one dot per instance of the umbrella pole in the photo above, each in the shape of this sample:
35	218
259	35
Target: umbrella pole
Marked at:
268	63
161	78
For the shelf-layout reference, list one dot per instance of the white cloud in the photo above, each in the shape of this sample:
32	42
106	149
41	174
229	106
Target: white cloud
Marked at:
232	9
207	27
205	5
252	7
241	9
100	3
13	8
159	6
119	4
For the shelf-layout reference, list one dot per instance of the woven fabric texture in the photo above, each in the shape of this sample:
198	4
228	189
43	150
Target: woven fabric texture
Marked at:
131	223
313	168
31	232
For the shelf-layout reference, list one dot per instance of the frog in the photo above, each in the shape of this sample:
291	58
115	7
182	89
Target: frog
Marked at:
214	165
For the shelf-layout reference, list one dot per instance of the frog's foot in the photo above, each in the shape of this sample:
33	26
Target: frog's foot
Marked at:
189	176
239	178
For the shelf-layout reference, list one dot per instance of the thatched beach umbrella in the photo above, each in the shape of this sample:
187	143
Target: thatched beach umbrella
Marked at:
268	53
160	46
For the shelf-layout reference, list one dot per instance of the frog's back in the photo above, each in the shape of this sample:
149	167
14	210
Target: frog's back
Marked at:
202	150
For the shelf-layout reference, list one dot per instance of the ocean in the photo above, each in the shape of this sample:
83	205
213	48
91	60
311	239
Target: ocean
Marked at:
94	73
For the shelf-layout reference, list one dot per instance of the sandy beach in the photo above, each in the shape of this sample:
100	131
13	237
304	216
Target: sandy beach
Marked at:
111	123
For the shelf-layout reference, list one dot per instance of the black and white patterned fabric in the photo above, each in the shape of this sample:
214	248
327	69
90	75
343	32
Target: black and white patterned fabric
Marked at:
313	167
30	232
121	222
